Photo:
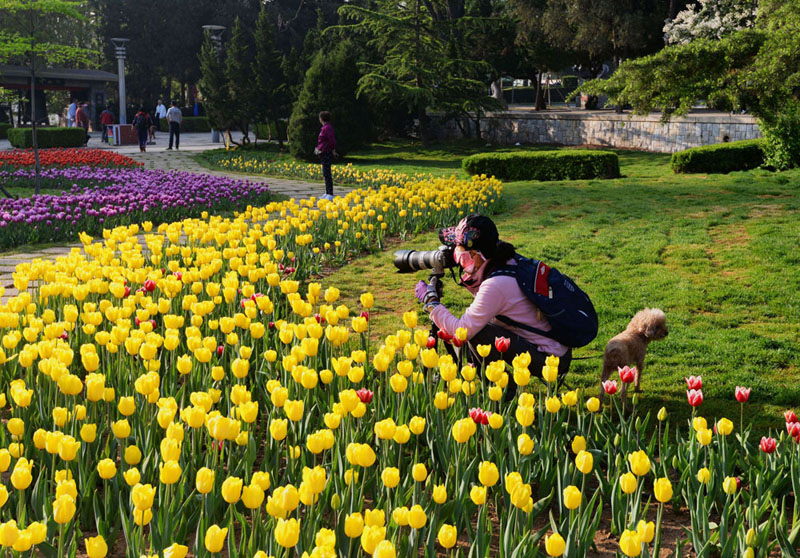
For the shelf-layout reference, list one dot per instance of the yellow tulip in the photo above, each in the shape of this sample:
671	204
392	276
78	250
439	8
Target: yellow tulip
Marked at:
630	543
572	497
232	489
584	462
106	468
215	538
662	488
554	545
639	462
96	547
447	535
63	509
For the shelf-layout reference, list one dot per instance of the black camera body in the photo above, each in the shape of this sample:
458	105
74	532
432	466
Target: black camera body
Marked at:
409	261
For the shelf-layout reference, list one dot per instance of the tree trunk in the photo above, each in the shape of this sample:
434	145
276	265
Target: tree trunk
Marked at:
478	124
423	127
540	105
36	162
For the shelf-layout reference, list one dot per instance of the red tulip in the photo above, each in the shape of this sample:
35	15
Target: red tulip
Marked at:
502	343
365	315
767	444
694	382
178	275
695	397
271	325
742	394
610	387
149	285
793	429
319	318
627	374
444	336
127	292
431	342
364	395
220	350
64	335
479	416
790	416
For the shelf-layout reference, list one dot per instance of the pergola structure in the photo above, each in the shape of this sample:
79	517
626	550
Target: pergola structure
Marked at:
85	85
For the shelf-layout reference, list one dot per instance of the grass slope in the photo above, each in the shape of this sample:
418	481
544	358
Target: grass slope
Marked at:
717	253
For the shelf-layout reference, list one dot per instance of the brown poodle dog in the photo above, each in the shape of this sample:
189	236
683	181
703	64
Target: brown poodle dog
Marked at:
629	347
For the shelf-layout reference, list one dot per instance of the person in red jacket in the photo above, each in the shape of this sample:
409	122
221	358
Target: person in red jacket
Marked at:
326	149
82	120
106	120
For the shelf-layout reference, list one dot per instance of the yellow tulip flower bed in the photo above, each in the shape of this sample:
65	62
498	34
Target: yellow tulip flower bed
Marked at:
200	394
342	174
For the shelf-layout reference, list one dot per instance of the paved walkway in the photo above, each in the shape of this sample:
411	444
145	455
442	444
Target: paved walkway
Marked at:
157	157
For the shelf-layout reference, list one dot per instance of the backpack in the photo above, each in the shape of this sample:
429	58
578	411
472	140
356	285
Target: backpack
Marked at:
141	121
572	318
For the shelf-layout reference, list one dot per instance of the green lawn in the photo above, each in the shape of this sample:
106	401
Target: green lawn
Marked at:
717	253
405	156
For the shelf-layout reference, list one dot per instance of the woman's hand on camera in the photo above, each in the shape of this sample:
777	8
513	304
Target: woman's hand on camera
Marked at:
428	293
420	290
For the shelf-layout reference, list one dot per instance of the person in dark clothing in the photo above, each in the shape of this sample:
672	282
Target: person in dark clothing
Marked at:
326	149
106	120
142	123
174	117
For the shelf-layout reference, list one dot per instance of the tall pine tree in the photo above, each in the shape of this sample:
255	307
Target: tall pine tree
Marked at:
241	92
213	86
330	84
272	94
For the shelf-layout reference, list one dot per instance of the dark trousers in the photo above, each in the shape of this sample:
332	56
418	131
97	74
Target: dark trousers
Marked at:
487	335
327	160
175	131
104	137
142	132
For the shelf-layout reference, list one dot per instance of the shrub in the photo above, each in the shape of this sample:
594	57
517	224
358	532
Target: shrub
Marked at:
47	137
4	128
570	164
720	158
330	84
189	124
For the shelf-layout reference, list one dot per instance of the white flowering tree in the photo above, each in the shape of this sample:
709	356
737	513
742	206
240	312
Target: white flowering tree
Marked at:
710	19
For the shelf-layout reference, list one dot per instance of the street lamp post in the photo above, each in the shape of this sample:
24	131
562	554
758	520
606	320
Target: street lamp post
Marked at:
215	32
120	49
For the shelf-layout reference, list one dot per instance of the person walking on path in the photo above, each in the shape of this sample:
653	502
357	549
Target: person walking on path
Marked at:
174	117
82	120
71	112
159	113
106	120
142	123
326	149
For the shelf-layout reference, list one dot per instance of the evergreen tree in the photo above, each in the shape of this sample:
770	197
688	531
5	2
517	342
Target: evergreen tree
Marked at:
213	86
238	73
416	66
272	93
330	84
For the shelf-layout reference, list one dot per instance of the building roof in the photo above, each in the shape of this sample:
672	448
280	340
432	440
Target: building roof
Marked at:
66	74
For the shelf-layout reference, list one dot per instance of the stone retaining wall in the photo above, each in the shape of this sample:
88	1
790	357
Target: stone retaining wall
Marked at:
606	128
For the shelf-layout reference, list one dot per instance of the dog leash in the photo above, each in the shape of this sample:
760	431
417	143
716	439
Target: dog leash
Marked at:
588	357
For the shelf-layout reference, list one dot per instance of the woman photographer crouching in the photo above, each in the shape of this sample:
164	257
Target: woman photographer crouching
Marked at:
478	251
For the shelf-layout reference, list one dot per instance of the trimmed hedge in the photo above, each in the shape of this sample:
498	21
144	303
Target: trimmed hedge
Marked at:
720	158
573	164
4	128
47	137
190	124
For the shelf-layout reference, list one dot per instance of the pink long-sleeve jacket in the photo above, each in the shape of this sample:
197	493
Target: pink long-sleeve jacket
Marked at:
499	296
